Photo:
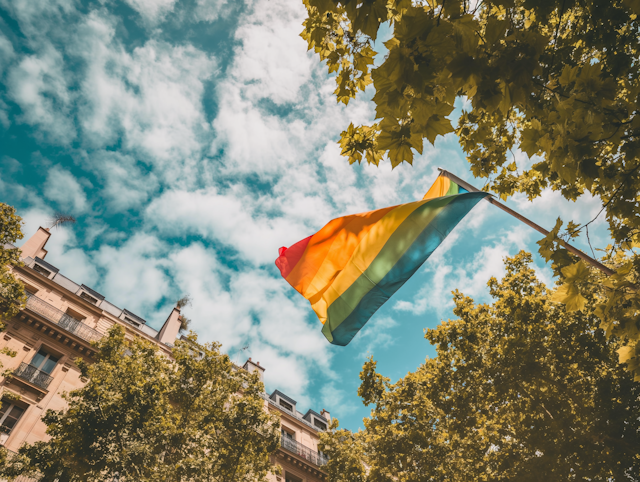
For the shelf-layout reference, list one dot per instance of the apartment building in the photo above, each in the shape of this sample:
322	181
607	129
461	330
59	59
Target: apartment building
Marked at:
61	319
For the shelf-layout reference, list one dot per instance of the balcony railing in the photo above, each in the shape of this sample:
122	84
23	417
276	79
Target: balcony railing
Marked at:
62	319
306	453
33	375
19	478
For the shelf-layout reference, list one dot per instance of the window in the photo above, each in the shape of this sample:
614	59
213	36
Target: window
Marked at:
44	361
286	405
129	320
10	413
287	435
319	424
74	314
44	272
31	290
291	478
88	297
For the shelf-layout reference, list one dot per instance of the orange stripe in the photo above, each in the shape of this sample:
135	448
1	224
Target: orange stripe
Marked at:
327	290
340	237
438	189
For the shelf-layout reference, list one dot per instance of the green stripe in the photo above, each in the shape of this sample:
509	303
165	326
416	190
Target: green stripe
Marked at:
453	188
399	242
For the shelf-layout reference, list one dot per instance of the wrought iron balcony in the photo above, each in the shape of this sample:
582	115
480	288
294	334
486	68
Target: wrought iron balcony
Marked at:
63	320
19	478
306	453
32	375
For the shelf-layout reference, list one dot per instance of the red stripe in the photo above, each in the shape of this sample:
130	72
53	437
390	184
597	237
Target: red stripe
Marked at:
289	257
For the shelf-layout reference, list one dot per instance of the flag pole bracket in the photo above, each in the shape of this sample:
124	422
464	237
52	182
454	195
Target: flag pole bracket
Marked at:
528	222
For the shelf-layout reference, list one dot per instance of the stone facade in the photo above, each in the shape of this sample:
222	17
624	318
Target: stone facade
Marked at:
56	327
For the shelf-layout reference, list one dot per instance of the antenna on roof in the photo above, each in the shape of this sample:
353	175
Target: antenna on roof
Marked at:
184	301
59	219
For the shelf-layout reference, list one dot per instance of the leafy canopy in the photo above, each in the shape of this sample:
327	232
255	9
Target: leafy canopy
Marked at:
521	389
12	296
145	417
560	79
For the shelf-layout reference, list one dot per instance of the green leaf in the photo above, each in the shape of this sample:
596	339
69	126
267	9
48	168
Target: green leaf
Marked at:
400	154
547	243
576	272
437	126
569	74
570	296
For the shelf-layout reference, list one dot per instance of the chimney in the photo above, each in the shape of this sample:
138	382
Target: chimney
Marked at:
326	415
171	327
254	367
34	246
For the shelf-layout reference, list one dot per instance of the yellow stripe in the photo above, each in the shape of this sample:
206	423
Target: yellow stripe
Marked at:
325	291
438	189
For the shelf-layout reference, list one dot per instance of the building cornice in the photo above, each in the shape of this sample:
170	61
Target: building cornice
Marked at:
301	463
91	308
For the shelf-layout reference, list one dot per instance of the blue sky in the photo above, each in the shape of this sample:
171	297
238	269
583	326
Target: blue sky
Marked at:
191	139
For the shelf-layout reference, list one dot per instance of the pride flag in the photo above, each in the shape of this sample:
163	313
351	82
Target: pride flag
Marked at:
349	268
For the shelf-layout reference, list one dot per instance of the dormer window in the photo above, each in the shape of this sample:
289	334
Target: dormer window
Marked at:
319	424
45	269
129	320
284	402
44	272
132	318
88	297
316	420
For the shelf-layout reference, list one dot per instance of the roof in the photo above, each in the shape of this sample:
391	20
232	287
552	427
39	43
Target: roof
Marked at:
92	292
134	316
296	415
105	305
50	267
314	413
282	395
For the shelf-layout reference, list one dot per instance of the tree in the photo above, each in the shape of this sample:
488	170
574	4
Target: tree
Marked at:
145	417
521	389
12	295
560	79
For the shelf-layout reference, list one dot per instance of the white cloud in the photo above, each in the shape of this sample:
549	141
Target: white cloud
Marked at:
133	275
152	98
33	219
276	109
40	19
375	336
152	11
251	308
447	274
338	401
268	62
62	247
38	85
127	184
226	218
7	52
63	188
209	10
545	209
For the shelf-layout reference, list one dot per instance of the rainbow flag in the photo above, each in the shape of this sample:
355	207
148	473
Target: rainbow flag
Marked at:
349	268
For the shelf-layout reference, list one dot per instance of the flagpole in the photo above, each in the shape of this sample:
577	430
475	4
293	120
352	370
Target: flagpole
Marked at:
528	222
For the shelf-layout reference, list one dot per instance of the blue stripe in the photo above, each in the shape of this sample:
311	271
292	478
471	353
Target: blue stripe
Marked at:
426	243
